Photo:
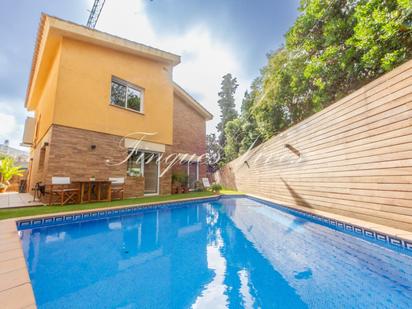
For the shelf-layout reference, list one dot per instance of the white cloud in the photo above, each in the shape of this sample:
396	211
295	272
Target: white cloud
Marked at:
12	115
8	124
10	130
205	59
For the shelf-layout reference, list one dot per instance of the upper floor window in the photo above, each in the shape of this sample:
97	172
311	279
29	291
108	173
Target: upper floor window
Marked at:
126	95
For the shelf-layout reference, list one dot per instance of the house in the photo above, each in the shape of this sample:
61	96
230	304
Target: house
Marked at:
108	107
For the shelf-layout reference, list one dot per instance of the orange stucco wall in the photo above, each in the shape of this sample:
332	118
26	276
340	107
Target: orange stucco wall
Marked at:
77	93
44	112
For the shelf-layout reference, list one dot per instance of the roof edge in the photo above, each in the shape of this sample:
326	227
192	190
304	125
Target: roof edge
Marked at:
143	48
103	37
195	104
35	55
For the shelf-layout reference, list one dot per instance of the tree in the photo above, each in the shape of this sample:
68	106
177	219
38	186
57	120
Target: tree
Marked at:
227	105
338	46
242	133
251	135
214	152
333	48
234	135
8	170
382	35
274	104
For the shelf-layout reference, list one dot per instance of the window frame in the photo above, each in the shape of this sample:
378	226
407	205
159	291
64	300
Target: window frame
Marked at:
127	85
133	158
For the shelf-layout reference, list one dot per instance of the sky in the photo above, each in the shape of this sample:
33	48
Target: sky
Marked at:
212	37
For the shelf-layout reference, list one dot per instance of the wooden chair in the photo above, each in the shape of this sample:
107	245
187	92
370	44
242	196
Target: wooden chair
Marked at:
117	186
61	187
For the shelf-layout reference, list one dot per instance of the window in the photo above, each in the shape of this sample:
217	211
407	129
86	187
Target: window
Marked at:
125	95
118	94
134	164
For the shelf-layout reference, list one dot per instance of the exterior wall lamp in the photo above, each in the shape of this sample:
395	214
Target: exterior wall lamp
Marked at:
293	149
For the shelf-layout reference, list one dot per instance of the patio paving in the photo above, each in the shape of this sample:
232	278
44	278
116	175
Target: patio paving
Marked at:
15	199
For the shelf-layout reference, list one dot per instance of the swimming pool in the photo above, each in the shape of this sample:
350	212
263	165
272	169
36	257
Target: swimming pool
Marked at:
230	252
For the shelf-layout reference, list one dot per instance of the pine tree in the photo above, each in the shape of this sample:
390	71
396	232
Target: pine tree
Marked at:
227	105
214	152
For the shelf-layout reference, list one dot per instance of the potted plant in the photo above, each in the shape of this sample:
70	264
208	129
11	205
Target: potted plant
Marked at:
216	187
183	183
199	187
179	181
7	171
175	183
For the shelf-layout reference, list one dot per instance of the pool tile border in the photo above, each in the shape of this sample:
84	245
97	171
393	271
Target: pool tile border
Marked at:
89	215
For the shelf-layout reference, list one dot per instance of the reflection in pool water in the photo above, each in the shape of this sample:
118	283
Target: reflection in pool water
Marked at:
234	252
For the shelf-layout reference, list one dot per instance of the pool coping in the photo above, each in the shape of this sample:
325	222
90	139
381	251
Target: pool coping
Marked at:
15	286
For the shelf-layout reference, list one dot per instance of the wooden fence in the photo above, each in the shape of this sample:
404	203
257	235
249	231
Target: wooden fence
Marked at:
353	158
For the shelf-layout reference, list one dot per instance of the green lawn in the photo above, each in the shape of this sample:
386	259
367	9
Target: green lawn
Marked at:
229	192
42	210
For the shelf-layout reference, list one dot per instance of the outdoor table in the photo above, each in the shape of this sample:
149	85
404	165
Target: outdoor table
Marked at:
97	184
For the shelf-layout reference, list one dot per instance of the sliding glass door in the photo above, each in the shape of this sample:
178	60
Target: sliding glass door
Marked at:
151	173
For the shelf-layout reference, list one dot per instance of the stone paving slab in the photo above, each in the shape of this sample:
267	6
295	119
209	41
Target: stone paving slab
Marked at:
15	286
15	199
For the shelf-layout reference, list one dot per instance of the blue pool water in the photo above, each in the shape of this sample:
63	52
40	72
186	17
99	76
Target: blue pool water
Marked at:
228	253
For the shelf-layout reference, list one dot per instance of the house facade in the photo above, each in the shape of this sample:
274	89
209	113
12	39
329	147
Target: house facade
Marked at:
108	107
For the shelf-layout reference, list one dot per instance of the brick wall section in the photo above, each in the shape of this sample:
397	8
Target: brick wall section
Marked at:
353	158
134	187
69	153
189	131
37	174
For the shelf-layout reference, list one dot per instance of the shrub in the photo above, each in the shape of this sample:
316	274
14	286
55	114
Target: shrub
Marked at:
8	170
216	187
199	187
179	178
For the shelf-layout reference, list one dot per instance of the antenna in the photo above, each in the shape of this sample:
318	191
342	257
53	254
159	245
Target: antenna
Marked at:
95	13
